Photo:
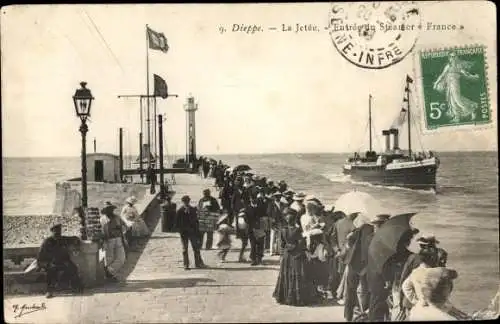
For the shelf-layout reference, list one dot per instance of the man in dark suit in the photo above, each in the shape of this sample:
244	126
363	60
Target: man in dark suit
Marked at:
357	258
188	227
211	205
170	210
225	195
256	235
379	309
55	258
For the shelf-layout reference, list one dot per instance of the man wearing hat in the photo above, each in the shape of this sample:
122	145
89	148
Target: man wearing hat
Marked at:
55	258
430	242
256	234
238	195
112	228
208	204
188	227
168	219
378	293
282	186
225	195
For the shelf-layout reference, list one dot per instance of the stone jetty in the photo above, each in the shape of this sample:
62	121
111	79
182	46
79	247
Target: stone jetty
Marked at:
156	288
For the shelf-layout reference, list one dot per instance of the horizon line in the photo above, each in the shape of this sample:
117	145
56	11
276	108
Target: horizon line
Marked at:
218	154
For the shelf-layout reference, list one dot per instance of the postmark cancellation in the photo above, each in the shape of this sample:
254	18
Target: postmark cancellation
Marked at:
374	35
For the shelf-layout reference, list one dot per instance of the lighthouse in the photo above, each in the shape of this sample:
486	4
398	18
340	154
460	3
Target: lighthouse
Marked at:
190	107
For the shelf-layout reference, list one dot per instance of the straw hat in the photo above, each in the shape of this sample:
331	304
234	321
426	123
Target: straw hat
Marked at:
299	197
131	200
329	207
378	219
426	240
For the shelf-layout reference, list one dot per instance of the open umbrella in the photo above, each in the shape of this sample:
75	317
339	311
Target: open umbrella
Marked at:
242	168
359	202
386	239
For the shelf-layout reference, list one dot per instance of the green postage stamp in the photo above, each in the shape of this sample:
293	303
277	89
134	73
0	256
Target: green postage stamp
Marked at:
454	87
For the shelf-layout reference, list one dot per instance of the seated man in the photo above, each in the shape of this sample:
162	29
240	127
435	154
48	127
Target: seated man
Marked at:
55	258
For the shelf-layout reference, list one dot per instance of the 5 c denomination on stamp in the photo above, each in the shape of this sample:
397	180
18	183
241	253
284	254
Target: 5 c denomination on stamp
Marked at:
374	35
454	86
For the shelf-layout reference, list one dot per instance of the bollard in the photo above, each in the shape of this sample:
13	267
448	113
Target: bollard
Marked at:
168	214
87	261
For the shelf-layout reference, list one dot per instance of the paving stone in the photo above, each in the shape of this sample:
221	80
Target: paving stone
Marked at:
158	289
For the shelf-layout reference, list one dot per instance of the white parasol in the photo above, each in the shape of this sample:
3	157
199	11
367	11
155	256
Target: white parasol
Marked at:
362	203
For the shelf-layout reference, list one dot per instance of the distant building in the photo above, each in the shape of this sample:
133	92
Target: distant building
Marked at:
103	167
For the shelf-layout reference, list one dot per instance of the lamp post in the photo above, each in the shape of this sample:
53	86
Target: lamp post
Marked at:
83	101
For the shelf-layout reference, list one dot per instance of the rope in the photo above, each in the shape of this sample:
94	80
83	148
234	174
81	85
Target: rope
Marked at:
103	40
364	135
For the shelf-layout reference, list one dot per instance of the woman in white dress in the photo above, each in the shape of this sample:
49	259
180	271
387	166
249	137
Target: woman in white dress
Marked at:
428	289
131	216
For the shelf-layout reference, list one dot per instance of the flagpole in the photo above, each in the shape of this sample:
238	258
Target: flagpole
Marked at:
147	93
140	140
154	125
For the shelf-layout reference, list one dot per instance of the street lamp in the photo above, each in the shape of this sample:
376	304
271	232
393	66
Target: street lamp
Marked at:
83	101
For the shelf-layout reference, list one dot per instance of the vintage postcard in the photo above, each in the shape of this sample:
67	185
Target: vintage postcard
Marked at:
250	162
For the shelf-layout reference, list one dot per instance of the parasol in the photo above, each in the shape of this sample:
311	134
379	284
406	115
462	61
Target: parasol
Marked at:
359	202
242	168
386	239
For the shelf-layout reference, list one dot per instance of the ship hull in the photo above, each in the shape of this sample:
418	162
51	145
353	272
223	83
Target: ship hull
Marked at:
413	175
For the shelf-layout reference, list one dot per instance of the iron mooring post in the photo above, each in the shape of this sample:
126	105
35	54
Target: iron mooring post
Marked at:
160	144
84	129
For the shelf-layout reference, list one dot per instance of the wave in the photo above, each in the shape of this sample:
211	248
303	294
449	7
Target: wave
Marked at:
344	178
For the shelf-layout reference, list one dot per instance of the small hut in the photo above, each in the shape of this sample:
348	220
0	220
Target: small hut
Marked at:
103	167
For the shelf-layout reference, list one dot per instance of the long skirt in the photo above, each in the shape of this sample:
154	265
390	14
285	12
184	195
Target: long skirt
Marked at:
139	228
318	272
293	287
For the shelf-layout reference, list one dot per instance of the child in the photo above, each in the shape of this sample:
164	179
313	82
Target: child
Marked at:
224	243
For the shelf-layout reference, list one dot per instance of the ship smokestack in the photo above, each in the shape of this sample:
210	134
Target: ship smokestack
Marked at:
395	133
387	135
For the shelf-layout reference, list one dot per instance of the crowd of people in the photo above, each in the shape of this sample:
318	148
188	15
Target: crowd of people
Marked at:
325	252
324	249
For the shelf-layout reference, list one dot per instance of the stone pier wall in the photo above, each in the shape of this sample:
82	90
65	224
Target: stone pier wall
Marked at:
68	194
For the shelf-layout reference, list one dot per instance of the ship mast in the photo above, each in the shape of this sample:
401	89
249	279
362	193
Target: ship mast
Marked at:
370	118
407	99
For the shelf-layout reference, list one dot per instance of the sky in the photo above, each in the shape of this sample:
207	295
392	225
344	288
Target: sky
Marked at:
268	92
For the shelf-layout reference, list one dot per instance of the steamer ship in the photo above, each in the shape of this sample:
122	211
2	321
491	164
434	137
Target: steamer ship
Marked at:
394	167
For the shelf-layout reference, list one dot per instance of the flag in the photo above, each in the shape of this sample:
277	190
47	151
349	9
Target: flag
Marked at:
408	79
157	41
161	89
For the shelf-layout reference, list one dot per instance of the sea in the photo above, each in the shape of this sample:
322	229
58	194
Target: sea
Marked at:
462	212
